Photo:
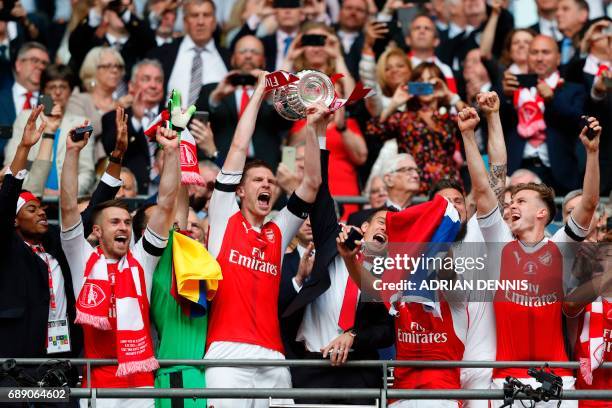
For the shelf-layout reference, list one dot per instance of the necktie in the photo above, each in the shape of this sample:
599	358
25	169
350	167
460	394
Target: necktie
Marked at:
346	320
26	103
244	101
3	49
195	83
567	50
288	41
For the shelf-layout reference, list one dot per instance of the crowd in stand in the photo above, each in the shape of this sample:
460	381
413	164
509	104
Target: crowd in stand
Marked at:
482	109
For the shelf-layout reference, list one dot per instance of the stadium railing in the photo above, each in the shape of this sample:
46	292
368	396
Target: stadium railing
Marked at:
381	394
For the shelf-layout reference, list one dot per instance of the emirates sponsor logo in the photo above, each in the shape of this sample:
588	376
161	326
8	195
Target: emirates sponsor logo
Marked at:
418	335
92	296
532	297
254	262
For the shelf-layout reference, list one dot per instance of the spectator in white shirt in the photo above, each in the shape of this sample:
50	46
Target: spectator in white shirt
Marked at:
193	60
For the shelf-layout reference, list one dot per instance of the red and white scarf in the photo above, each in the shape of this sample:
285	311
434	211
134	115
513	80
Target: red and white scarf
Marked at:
134	346
530	109
591	339
190	172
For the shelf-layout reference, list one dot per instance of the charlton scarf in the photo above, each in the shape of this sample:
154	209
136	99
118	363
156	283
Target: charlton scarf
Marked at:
190	172
530	109
134	347
591	340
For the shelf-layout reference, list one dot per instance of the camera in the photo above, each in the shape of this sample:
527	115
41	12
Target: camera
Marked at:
552	384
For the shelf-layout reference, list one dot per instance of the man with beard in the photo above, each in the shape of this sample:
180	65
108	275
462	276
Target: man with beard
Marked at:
112	282
323	316
467	319
521	251
36	288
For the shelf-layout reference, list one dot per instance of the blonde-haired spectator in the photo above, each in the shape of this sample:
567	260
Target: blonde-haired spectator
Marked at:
100	74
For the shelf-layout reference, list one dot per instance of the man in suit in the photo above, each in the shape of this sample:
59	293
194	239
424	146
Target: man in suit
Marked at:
323	311
352	19
572	19
547	20
193	60
32	59
592	72
289	16
116	27
57	82
543	121
11	39
146	85
35	280
401	178
225	102
297	265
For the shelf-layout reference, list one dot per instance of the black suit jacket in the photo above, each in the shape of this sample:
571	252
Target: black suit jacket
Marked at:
562	116
24	280
269	129
268	41
141	39
136	157
602	110
373	324
7	116
167	53
353	57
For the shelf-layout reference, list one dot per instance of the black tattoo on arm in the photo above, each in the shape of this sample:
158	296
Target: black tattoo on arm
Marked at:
497	181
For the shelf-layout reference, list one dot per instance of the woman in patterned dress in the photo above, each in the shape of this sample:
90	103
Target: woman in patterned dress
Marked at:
426	129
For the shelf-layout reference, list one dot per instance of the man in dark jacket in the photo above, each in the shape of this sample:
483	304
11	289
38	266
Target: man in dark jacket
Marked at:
324	311
36	295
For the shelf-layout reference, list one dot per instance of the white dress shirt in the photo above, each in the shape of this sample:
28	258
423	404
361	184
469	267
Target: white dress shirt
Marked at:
320	323
550	28
19	97
213	67
347	38
143	123
280	47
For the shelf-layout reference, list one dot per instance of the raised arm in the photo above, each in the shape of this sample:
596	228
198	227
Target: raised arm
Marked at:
30	137
484	196
488	34
239	149
69	185
108	187
39	172
496	145
163	215
317	121
583	212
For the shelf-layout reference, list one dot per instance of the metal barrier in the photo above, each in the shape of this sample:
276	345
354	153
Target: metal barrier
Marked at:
339	199
382	394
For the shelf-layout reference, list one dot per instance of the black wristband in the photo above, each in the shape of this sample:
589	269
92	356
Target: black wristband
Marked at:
114	159
298	207
48	136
